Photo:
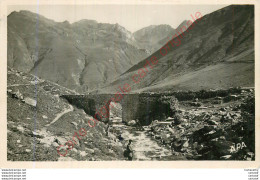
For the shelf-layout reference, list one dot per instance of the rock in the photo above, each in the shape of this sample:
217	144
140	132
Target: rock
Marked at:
17	95
225	157
75	150
44	117
18	141
180	127
212	122
83	153
222	137
55	144
75	124
186	124
251	154
186	144
20	146
20	128
211	132
169	119
30	101
110	151
157	137
223	109
171	130
27	150
35	133
165	136
216	139
154	123
131	123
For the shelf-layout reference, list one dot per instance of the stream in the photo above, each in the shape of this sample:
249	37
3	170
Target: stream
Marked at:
144	147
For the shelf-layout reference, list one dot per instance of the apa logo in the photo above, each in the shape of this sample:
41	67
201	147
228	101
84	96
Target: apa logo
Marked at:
237	147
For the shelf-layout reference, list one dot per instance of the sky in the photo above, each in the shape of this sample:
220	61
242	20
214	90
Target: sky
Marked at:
132	17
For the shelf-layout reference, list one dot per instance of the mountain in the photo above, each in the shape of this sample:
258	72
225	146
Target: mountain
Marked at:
217	51
180	29
153	37
81	56
150	38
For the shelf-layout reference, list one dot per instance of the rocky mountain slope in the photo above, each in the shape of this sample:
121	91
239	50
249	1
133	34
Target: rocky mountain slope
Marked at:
39	121
211	128
217	51
80	56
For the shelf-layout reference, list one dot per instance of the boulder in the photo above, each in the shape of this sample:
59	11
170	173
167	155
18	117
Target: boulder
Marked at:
226	157
75	124
212	122
83	153
186	144
28	150
30	101
131	123
75	150
222	137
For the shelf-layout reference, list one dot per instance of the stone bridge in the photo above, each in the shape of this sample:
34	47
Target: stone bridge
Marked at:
145	107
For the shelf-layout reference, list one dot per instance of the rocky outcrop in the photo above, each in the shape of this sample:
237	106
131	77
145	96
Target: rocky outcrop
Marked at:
220	134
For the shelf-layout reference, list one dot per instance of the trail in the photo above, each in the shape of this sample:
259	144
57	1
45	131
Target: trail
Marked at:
60	115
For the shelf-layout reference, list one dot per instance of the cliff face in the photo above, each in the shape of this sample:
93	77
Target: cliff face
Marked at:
153	37
217	51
